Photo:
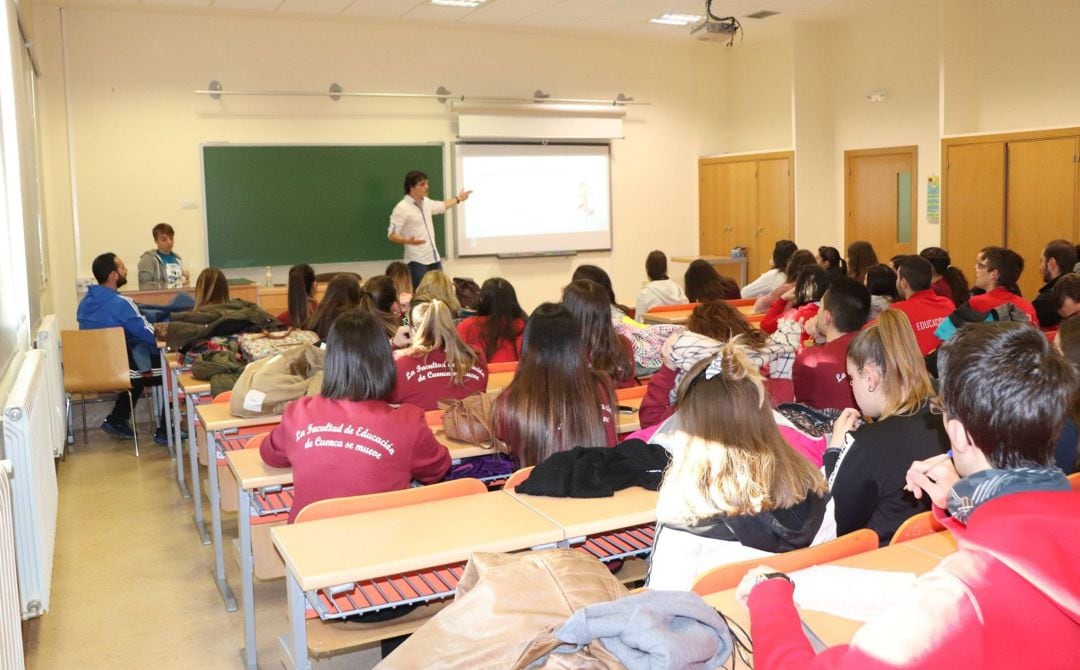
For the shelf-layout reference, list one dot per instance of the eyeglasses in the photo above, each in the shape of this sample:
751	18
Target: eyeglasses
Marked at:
983	266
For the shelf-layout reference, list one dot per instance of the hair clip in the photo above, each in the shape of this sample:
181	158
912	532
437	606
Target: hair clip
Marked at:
716	367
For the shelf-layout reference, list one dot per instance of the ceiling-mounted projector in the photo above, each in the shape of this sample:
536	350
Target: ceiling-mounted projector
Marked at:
715	31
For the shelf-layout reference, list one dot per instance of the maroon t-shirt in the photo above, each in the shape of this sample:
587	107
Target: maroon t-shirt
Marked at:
425	380
819	375
656	405
340	448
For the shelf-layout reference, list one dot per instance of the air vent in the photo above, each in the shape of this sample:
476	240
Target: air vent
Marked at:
763	14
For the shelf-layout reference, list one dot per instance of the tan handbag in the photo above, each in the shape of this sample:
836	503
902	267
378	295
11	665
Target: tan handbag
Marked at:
470	420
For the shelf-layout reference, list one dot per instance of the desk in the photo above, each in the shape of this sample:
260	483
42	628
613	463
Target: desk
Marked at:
914	556
194	390
578	517
497	381
719	262
325	553
164	296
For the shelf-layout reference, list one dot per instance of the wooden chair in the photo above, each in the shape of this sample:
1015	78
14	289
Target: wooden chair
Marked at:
326	509
96	361
728	576
916	526
1074	481
519	476
510	366
671	308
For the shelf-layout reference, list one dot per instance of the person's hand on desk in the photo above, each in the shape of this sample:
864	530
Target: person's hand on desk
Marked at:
754	577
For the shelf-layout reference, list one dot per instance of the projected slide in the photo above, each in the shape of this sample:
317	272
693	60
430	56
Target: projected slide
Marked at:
533	198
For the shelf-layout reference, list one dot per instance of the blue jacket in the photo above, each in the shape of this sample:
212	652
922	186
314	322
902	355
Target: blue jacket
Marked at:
104	307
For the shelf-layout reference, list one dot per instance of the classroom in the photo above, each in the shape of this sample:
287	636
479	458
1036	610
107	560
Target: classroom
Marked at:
102	136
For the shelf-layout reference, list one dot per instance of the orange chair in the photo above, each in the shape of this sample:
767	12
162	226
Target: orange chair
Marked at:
332	507
754	318
519	476
916	526
1074	481
630	393
224	396
502	367
741	302
728	576
672	308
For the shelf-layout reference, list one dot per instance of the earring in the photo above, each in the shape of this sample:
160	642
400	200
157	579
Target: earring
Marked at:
870	388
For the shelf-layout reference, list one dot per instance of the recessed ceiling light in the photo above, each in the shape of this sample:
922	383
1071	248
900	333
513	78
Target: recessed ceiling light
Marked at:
458	3
677	19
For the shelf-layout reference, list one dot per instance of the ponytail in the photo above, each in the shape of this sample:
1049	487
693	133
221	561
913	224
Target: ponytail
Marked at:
891	347
301	287
433	330
958	284
378	297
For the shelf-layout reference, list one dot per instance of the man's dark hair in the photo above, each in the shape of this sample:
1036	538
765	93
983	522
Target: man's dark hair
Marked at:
162	229
848	302
1066	287
782	252
104	265
916	271
881	280
359	360
1009	388
656	266
412	179
1008	263
1063	252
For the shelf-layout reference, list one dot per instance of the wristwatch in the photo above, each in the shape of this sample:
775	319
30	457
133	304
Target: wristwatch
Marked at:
771	575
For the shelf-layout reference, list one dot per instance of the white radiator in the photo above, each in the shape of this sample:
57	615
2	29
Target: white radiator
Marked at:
47	340
28	444
11	647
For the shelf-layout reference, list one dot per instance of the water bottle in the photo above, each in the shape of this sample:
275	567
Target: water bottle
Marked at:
269	277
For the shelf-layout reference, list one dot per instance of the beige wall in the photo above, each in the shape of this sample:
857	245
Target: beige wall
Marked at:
126	118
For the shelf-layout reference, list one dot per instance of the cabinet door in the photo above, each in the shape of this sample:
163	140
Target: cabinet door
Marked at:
1040	201
713	224
974	201
775	212
742	210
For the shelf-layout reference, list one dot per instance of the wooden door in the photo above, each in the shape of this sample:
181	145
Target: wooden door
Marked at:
880	199
775	211
713	235
1040	201
974	201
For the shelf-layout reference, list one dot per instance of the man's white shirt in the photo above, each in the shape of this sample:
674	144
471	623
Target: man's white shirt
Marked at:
412	219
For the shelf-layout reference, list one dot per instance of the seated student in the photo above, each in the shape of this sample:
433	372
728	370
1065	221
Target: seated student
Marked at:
881	282
1056	261
1067	296
819	374
1067	449
399	273
704	283
802	301
437	286
866	463
342	295
604	349
832	262
799	260
437	365
499	324
1009	595
211	288
301	293
554	403
379	298
598	275
660	290
997	270
774	277
925	309
162	267
947	280
734	490
860	258
349	440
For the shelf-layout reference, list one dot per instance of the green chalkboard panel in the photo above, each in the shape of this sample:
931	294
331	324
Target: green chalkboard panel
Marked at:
280	205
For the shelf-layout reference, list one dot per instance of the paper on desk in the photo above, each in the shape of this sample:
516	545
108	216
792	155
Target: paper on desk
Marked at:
851	593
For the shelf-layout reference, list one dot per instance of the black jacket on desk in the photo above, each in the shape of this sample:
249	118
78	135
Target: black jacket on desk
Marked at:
1044	305
869	487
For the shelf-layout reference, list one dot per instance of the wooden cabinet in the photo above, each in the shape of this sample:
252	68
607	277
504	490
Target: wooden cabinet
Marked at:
1017	190
746	201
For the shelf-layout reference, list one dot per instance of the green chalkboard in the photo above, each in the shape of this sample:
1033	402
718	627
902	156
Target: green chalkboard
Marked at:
280	205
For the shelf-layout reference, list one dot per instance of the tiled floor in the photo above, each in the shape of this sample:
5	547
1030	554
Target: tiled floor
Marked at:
132	584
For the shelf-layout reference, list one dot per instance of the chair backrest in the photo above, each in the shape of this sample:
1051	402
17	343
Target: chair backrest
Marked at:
434	417
754	318
741	302
728	576
519	476
256	441
916	526
631	392
95	360
1074	481
223	397
509	366
325	509
671	308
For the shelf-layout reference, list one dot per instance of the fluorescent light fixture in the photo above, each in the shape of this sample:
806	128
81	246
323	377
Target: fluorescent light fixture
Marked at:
677	19
458	3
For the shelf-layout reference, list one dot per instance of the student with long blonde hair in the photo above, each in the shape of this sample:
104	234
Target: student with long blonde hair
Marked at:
735	489
211	288
866	464
437	286
438	365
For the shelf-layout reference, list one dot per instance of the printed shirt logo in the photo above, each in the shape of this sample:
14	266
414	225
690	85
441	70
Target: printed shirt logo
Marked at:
345	436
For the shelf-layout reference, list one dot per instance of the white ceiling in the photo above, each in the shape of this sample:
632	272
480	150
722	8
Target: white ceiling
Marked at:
619	17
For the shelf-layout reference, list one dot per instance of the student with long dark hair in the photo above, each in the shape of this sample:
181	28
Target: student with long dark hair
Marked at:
801	302
831	261
349	440
773	277
211	288
301	292
607	351
379	298
881	282
342	295
704	283
438	365
598	275
554	403
799	260
860	258
499	324
660	290
948	280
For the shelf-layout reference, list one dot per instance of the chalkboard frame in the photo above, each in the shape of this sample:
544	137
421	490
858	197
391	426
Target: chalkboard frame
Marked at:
360	243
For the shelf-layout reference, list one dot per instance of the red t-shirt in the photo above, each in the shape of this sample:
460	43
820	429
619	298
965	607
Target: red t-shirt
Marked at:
926	309
340	448
425	380
508	351
999	296
819	375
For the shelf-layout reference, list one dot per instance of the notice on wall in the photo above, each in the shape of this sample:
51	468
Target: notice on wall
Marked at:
933	199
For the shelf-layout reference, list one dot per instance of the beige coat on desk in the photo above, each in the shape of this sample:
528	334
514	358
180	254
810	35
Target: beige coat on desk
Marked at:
504	613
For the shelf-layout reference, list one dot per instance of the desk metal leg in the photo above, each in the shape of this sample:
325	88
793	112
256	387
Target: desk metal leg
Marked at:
166	383
297	623
196	484
215	520
177	434
247	576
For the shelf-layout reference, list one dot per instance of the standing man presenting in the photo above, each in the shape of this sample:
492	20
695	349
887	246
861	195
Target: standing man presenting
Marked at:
411	225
